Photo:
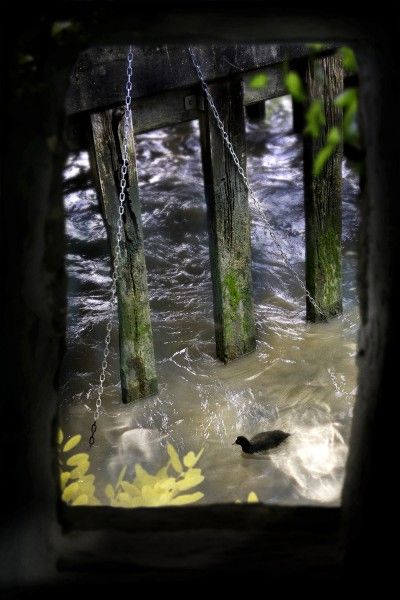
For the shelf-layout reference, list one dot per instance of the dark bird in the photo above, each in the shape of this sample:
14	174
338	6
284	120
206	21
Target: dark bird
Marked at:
262	441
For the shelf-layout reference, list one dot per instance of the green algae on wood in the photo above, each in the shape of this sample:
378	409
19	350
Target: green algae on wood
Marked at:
322	193
228	224
137	362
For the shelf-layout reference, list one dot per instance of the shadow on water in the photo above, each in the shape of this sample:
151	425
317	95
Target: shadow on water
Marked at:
301	379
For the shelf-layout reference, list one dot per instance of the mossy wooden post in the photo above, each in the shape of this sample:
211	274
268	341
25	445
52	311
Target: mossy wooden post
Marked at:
229	223
322	194
138	371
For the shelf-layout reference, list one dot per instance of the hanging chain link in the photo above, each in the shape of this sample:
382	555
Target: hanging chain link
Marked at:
117	250
247	184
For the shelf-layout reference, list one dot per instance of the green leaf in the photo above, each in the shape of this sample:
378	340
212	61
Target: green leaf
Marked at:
333	138
347	98
316	46
72	442
315	118
321	158
60	26
294	86
349	59
259	81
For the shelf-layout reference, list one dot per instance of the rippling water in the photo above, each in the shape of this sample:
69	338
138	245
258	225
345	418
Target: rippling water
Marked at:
302	378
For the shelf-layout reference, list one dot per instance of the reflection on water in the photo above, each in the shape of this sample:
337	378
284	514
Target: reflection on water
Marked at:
301	379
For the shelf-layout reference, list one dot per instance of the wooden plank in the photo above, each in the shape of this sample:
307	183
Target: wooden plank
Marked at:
98	78
274	87
322	194
137	363
229	223
169	108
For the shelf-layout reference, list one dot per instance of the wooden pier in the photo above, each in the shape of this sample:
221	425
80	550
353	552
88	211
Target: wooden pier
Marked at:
166	92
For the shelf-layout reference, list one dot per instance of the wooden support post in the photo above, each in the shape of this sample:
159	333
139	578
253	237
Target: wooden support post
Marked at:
138	372
322	194
256	112
297	117
229	223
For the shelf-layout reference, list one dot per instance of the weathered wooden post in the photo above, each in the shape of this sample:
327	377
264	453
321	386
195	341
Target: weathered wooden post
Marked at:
256	111
229	223
297	116
137	363
322	194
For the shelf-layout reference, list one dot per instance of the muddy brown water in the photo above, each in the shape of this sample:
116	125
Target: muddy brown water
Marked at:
302	377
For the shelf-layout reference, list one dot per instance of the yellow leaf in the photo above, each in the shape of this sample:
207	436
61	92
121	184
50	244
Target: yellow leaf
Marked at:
142	477
191	459
79	471
186	499
109	491
162	473
72	442
130	489
190	480
124	500
164	498
86	488
87	479
78	459
70	491
252	497
149	495
175	461
121	476
137	501
166	484
64	476
81	500
93	501
60	436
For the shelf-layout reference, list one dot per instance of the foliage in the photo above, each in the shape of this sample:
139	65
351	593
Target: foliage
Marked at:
294	86
316	46
314	116
252	498
332	140
77	486
349	59
349	102
260	80
163	488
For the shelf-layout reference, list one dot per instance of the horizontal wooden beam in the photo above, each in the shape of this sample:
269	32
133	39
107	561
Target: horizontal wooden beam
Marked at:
98	79
186	104
171	543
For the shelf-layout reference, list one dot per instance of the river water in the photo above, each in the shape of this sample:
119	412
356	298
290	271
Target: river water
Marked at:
302	377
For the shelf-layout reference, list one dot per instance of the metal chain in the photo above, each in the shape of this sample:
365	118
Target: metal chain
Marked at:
117	250
246	182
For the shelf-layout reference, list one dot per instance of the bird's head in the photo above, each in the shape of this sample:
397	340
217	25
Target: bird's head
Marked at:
242	441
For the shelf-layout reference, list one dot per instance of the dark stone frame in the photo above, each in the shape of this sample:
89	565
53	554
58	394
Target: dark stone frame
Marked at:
46	546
